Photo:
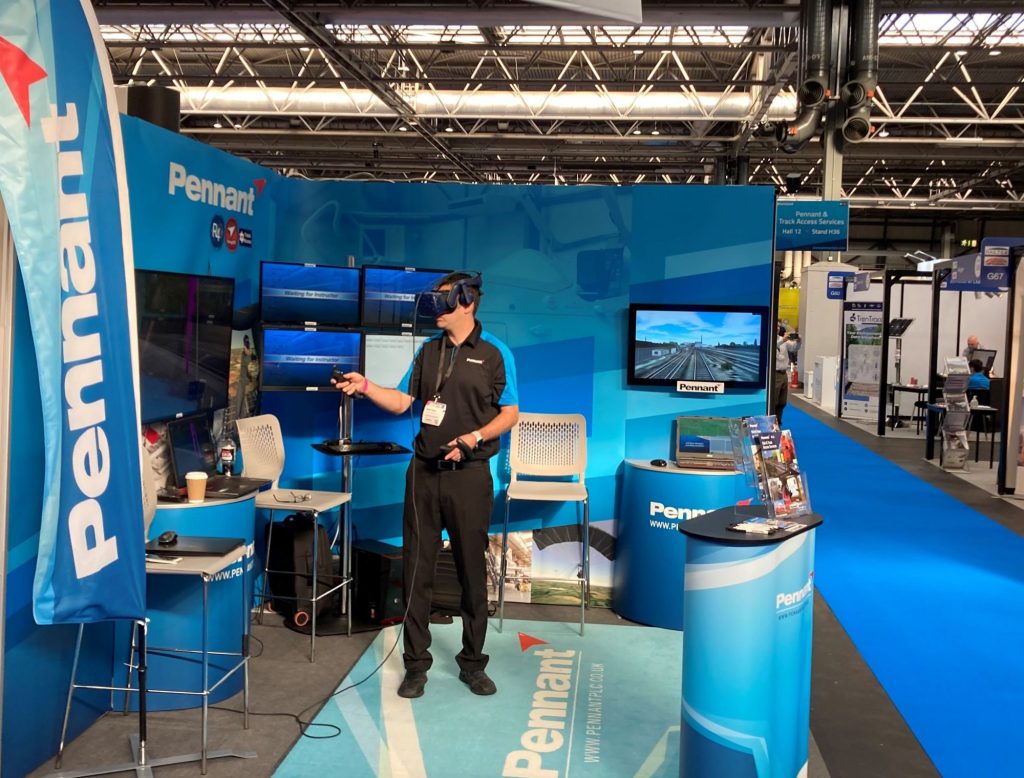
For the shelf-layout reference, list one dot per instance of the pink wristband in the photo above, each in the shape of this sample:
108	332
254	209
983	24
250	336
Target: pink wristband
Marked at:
366	385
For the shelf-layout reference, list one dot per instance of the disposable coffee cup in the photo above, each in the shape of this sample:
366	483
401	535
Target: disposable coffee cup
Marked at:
196	483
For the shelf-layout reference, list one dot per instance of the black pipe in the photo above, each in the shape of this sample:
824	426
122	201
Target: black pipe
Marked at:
859	91
813	92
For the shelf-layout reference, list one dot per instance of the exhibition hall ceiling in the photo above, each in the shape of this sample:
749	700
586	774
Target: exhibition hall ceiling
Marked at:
499	90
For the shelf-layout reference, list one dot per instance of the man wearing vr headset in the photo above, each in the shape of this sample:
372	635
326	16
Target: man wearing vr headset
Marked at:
466	382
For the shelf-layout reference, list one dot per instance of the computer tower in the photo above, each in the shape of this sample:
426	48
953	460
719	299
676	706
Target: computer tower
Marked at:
377	593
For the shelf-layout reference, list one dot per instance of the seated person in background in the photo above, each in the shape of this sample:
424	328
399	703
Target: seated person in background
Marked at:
978	379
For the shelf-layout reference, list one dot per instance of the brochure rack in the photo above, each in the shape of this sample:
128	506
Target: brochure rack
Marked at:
767	455
957	416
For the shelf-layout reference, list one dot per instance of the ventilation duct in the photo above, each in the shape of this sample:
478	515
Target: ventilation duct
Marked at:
859	92
814	92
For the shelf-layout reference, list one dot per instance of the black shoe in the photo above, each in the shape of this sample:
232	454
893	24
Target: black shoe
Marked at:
413	683
478	682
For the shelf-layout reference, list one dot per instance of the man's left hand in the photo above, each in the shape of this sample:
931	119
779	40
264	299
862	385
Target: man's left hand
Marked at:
456	453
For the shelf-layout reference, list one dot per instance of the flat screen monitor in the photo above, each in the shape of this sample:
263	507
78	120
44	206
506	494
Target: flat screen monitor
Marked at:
309	294
987	357
192	448
389	294
184	331
670	343
302	359
387	357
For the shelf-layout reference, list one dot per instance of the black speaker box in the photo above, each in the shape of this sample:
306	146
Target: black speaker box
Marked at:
377	593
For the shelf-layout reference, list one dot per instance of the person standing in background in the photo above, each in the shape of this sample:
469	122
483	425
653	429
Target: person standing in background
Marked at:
780	386
973	344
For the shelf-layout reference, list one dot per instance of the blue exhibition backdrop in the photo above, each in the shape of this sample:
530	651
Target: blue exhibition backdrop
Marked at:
560	267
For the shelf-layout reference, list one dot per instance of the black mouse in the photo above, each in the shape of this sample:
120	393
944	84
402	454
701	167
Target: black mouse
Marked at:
659	463
168	538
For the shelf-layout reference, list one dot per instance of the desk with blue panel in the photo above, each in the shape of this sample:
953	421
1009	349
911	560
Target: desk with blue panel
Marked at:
748	604
649	551
174	605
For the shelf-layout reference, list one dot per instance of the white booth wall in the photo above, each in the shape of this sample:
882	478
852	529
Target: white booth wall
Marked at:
911	300
978	315
819	317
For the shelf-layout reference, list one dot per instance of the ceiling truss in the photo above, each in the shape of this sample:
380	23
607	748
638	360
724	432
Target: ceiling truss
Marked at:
313	94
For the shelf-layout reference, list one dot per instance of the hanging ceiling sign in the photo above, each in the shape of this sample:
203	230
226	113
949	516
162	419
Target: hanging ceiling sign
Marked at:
626	10
805	225
835	286
986	271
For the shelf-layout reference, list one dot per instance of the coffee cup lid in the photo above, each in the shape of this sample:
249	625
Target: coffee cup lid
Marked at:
195	475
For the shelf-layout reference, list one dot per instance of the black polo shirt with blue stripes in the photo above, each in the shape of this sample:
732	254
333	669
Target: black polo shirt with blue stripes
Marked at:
481	378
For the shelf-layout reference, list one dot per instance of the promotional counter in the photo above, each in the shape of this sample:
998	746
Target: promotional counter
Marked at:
748	605
649	551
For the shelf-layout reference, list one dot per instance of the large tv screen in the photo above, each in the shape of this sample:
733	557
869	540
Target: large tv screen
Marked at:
184	331
387	357
309	294
389	294
670	343
302	359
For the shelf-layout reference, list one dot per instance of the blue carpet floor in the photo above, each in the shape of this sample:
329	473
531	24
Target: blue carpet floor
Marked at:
603	706
931	593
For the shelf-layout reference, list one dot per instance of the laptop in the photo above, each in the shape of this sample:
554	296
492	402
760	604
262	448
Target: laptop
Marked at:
704	443
192	449
191	545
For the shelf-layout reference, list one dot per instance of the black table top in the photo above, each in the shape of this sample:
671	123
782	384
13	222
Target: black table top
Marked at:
714	526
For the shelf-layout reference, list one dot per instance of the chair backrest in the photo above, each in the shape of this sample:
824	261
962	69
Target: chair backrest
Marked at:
149	499
549	444
262	447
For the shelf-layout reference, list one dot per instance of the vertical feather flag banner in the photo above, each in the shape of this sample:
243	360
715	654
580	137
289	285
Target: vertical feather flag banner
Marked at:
62	178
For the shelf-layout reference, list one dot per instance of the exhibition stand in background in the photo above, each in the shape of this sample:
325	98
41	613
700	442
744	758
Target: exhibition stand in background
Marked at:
748	605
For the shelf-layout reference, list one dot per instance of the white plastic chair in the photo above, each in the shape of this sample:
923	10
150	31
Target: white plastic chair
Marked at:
262	449
549	446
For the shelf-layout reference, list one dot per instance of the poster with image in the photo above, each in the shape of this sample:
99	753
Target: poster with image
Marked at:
862	359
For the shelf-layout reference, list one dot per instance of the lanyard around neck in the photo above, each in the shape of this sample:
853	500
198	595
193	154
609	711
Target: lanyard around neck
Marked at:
443	379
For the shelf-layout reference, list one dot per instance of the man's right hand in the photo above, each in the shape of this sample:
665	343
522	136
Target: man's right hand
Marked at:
350	383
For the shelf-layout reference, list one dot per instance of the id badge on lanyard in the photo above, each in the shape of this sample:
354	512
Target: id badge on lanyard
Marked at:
434	409
433	412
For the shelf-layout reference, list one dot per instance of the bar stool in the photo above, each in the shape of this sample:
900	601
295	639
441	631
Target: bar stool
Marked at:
262	448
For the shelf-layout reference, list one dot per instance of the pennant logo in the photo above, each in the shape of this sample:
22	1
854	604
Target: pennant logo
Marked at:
528	641
258	184
19	72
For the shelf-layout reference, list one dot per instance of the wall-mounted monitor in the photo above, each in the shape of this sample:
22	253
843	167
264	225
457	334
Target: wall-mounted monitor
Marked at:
389	294
297	359
387	357
309	294
670	343
184	335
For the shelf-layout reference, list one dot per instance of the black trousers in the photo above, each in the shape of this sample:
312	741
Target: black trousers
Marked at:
780	394
459	501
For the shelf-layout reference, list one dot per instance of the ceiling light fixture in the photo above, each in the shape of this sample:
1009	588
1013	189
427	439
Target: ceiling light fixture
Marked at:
216	124
994	53
403	128
655	131
637	131
883	133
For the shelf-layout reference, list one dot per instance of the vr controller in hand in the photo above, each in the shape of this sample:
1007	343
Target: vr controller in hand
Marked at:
338	377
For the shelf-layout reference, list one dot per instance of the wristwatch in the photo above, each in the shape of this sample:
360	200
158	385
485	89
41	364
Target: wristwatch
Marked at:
479	438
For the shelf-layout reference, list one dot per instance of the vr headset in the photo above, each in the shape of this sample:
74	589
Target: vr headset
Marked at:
432	304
